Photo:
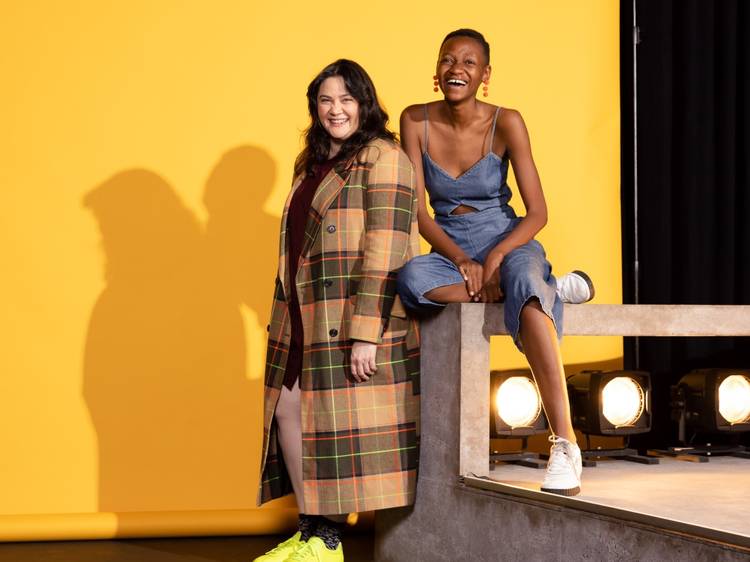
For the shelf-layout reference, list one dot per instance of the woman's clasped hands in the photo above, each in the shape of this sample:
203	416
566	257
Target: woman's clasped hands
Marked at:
482	281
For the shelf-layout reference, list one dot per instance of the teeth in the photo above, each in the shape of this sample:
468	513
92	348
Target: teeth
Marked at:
456	82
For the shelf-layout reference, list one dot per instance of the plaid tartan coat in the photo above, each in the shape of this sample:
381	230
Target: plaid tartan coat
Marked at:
359	440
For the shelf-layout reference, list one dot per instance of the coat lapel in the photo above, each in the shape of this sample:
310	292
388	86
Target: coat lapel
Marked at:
329	188
327	191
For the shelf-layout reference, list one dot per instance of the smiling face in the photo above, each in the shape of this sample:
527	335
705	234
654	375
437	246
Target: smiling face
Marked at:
338	111
461	68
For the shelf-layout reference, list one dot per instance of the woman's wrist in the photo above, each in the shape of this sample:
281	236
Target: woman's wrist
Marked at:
496	255
458	259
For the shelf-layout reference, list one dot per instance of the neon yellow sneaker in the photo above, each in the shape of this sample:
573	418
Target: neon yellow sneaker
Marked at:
282	552
315	550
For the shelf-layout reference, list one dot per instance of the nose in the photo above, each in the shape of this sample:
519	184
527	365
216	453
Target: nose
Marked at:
336	107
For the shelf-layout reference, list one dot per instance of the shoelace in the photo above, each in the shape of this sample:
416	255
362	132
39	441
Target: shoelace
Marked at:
302	553
559	457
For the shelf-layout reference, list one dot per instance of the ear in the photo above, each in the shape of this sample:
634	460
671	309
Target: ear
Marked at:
486	73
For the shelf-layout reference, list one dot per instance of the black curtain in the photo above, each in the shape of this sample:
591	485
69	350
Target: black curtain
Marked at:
693	170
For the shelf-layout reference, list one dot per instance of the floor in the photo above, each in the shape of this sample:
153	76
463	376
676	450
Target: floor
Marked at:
357	548
713	495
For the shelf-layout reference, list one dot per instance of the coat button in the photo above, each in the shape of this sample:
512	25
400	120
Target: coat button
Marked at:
327	283
268	327
333	333
331	229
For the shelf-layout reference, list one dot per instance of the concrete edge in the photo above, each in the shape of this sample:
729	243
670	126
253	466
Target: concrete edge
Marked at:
729	539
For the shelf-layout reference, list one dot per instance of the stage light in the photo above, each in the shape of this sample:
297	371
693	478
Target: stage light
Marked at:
611	403
517	402
516	405
713	400
734	399
623	401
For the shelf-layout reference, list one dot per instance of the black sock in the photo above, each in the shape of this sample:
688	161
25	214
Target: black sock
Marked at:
307	525
329	532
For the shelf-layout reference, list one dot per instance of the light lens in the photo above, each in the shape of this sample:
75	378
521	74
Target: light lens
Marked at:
734	399
517	401
622	401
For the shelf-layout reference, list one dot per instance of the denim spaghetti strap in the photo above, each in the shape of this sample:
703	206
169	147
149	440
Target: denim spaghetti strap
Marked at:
492	131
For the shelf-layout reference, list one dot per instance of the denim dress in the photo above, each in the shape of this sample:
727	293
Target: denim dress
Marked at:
525	272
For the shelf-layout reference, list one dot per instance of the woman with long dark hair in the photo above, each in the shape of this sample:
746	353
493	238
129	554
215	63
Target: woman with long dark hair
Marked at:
461	148
342	372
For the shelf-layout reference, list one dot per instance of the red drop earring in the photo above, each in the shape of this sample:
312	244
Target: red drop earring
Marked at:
435	83
485	88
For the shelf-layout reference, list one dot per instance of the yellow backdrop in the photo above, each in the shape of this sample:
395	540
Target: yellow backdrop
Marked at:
146	152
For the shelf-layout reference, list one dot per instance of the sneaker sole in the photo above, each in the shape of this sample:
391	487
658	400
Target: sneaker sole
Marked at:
588	281
569	492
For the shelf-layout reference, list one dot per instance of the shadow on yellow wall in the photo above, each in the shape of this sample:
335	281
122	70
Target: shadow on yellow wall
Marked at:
166	380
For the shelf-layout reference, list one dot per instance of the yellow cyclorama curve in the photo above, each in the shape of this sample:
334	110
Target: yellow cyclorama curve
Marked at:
146	155
82	526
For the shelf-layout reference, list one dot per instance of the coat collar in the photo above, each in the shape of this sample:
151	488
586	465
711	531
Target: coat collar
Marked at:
329	187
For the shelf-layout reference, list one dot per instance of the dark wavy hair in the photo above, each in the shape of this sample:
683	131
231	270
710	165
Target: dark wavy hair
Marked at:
471	34
373	120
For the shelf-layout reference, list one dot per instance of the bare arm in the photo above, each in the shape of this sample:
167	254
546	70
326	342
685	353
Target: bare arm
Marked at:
512	127
530	187
411	142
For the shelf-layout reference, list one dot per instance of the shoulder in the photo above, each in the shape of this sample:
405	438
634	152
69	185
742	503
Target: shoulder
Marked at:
510	120
380	149
383	161
413	117
413	113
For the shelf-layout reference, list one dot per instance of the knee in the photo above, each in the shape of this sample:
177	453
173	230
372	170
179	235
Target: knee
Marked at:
520	279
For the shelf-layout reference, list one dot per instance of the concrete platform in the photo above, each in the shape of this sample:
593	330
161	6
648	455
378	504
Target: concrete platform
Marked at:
465	512
708	499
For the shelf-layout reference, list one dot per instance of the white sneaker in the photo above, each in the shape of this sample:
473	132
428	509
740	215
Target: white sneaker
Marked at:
575	287
563	468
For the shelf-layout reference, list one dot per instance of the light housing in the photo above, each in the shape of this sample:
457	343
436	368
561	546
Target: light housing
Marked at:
715	400
611	402
515	405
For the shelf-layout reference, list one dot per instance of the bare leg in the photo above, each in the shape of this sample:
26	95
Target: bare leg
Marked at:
449	293
289	420
543	353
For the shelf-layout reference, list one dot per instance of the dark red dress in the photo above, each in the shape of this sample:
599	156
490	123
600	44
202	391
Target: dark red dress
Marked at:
299	209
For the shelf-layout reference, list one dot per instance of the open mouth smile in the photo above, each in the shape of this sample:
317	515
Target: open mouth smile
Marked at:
456	82
338	121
